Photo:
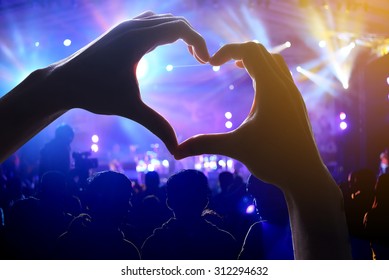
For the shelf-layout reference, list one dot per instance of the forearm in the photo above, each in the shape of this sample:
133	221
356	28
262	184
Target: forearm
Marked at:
317	218
26	110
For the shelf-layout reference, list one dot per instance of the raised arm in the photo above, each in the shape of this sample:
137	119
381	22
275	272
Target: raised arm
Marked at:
100	78
276	128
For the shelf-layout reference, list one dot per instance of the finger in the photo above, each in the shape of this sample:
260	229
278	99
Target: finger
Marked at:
192	52
171	31
144	15
282	64
206	144
156	124
168	15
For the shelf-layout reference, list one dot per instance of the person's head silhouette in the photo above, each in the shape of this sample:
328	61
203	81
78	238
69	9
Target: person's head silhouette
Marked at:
187	193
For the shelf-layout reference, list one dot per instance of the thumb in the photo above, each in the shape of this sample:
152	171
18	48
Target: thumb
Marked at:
156	124
219	143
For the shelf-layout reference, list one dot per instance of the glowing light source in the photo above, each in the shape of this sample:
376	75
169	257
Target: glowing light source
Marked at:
37	44
67	42
322	44
387	80
222	163
342	116
165	163
216	68
228	124
231	87
299	69
343	125
280	48
230	163
250	209
228	115
142	68
94	148
95	138
169	67
345	85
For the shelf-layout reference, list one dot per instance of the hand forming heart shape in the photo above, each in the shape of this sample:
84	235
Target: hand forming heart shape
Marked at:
276	134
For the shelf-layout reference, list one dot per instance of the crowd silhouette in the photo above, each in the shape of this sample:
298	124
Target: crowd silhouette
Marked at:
298	213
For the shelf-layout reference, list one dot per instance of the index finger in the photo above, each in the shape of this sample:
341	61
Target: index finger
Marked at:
171	31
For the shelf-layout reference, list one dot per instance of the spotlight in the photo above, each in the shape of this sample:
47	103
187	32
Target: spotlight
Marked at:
288	44
343	125
216	68
322	44
231	87
299	69
222	163
342	116
94	148
228	115
228	124
345	85
37	44
387	80
169	67
95	138
165	163
250	209
67	42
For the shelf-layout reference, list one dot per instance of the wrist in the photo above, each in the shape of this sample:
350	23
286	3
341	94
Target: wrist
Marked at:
317	217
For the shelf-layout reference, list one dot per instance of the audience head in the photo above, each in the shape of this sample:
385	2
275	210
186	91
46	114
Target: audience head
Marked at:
152	180
226	179
270	200
382	191
64	133
108	196
187	193
53	186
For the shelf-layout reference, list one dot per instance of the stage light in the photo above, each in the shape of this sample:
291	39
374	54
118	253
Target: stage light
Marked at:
198	166
67	42
343	125
165	163
387	80
322	44
142	68
342	116
280	48
150	167
95	138
94	148
228	115
213	165
169	67
345	85
230	163
37	44
222	163
216	68
250	209
228	124
299	69
231	87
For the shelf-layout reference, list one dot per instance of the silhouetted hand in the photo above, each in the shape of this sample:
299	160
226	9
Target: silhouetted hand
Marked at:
101	77
276	143
276	132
